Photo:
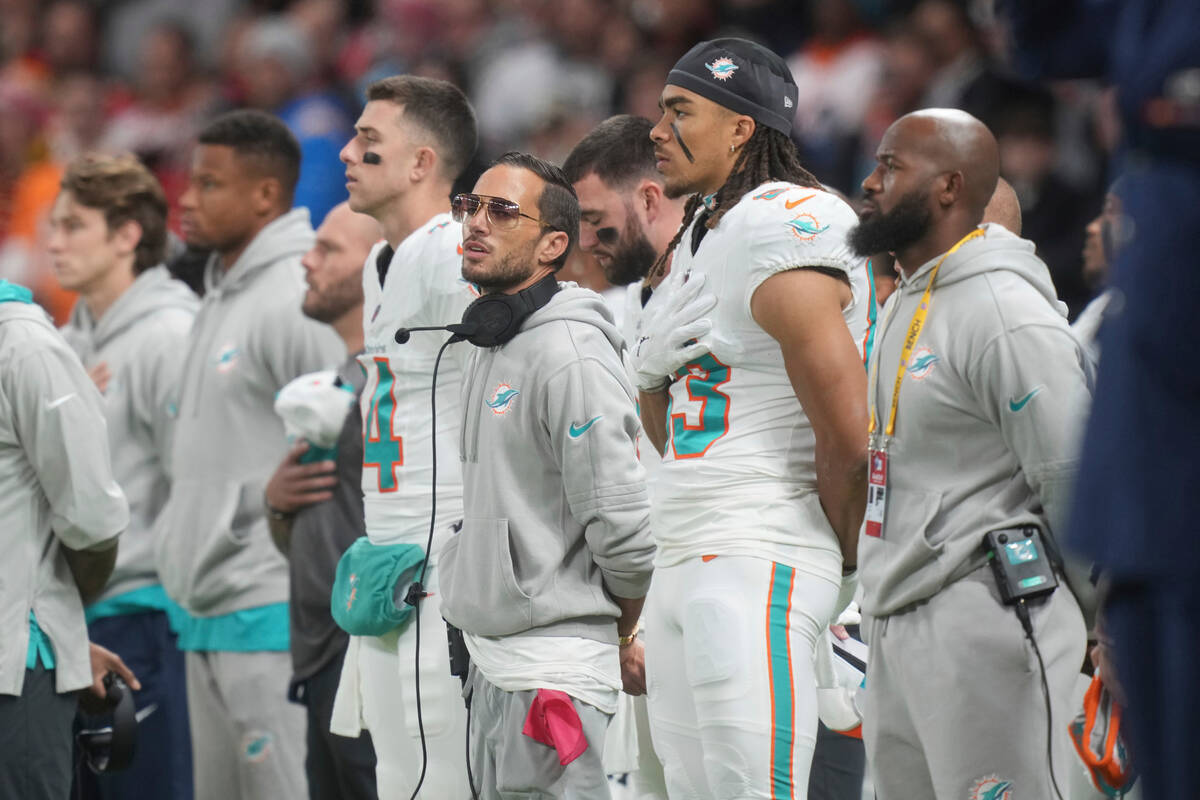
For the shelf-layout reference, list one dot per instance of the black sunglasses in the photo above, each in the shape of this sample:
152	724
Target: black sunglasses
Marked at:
500	212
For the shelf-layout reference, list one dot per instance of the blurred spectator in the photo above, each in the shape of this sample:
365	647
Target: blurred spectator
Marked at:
170	102
277	69
908	69
74	126
837	71
529	75
18	32
128	23
1054	213
964	77
643	86
69	34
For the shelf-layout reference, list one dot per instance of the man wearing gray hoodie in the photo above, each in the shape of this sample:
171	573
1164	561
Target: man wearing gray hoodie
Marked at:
108	233
215	555
547	576
977	393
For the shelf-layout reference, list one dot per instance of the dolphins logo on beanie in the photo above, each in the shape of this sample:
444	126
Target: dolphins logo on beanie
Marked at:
742	76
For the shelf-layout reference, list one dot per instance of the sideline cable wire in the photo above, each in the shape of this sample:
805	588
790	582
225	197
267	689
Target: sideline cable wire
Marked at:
416	592
1027	624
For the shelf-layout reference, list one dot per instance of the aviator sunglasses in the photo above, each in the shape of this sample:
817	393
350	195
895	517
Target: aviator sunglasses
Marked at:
501	213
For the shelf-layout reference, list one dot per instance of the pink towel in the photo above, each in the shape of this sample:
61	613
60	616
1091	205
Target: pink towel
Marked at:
553	721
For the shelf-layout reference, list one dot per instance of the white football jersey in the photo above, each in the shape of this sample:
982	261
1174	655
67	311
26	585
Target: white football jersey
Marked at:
423	286
739	475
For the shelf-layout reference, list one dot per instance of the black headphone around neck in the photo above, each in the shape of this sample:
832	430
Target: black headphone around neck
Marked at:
497	317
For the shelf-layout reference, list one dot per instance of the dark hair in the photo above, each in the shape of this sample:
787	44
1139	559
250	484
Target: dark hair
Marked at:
439	108
124	190
261	138
558	205
618	150
767	156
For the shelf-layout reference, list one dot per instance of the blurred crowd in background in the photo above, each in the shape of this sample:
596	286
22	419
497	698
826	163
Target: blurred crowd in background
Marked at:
143	75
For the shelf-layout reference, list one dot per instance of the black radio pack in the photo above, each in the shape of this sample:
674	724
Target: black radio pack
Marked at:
1020	562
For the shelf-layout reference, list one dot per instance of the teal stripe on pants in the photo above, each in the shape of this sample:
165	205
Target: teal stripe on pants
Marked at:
779	658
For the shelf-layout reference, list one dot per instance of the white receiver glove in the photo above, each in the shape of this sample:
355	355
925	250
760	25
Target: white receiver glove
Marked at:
669	338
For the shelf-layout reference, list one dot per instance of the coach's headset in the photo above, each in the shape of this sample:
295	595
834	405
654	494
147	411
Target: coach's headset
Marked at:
111	748
494	319
490	321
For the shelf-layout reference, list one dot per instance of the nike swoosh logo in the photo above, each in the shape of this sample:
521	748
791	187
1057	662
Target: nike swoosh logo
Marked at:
794	203
1016	405
575	431
53	404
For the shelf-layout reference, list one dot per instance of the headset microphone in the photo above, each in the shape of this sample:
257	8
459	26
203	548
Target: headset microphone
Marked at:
461	330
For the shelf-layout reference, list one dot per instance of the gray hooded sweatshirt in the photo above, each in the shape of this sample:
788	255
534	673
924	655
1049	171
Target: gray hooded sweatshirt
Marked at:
142	338
555	500
56	490
991	408
250	338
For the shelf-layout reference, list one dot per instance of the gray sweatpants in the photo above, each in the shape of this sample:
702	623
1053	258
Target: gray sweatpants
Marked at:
954	703
247	738
508	765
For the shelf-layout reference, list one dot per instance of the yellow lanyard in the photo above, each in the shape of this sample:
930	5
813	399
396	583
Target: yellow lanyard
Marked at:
910	342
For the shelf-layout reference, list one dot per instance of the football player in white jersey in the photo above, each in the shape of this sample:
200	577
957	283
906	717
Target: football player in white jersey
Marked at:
414	137
762	488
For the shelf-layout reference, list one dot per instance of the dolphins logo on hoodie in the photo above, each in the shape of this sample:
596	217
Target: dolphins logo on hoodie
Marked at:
502	399
921	363
991	788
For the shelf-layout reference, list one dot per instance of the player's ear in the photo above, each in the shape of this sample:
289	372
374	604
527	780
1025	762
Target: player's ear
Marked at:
649	199
424	163
267	195
743	129
950	188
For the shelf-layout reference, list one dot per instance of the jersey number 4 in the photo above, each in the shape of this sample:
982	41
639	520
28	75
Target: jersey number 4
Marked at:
702	379
382	449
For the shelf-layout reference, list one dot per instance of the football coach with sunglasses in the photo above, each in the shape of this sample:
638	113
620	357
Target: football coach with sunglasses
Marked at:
547	575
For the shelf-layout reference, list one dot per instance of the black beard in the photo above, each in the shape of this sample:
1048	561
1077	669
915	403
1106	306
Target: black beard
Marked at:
511	269
633	258
904	225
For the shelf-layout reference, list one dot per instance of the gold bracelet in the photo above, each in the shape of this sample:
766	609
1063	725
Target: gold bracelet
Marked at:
625	641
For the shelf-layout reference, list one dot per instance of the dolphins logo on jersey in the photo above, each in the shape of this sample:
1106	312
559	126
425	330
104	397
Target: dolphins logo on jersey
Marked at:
722	68
806	228
227	357
921	363
502	399
991	787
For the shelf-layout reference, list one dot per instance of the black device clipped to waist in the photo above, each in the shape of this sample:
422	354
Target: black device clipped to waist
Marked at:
1021	563
111	748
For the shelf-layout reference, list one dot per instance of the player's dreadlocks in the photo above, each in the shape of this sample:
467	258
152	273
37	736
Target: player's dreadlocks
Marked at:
767	156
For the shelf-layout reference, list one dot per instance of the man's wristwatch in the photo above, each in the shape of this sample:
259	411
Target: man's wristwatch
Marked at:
625	641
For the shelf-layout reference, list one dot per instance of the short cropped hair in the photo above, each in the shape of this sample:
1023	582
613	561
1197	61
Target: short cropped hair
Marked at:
440	109
618	150
123	189
261	138
558	205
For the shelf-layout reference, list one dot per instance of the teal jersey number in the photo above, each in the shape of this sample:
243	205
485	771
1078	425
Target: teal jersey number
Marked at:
383	449
703	376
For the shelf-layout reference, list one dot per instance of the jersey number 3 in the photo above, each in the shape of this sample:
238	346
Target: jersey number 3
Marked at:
703	377
382	449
